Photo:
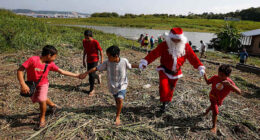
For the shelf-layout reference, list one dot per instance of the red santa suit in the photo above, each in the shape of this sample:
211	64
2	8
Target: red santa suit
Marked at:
173	55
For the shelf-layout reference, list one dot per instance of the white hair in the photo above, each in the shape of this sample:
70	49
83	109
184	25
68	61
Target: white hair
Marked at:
176	49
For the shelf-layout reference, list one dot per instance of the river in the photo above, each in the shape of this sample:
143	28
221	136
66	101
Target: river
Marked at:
134	33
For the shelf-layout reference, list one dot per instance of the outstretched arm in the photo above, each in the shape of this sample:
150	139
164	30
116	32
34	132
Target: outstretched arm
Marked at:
67	73
135	66
206	79
83	75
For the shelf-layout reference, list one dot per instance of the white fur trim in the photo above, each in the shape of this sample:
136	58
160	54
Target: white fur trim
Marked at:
201	70
201	67
168	75
174	63
143	63
171	35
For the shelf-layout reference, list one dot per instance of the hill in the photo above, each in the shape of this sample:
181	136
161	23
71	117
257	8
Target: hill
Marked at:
45	12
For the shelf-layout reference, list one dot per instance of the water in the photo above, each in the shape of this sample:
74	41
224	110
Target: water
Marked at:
134	33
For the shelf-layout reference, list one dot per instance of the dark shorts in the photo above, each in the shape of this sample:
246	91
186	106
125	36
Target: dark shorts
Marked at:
120	94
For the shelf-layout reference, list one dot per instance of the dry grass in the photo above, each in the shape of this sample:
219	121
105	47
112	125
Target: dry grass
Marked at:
84	117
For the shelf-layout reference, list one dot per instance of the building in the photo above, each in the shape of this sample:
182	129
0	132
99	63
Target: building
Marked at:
251	41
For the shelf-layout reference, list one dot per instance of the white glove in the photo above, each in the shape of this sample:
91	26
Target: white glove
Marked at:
201	70
143	64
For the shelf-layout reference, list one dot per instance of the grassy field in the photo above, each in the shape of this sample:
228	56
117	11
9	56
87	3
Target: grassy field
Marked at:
84	117
232	59
198	25
26	33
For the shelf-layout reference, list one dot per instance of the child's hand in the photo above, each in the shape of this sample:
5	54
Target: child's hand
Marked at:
78	76
227	83
25	89
83	75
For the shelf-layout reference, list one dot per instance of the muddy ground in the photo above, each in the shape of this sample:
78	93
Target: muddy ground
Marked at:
84	117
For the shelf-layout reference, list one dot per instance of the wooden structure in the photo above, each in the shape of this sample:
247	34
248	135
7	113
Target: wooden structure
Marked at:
251	41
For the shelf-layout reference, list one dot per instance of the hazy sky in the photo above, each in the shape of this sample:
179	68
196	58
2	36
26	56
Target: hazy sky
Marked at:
133	6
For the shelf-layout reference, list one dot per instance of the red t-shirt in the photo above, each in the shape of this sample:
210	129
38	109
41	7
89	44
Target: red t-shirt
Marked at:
35	69
218	90
91	49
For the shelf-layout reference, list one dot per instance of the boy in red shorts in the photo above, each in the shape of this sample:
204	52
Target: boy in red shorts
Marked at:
221	87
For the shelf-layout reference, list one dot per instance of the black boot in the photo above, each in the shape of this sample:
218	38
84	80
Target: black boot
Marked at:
164	107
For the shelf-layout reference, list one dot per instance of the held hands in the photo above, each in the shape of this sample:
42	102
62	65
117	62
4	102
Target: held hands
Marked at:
201	70
143	64
83	75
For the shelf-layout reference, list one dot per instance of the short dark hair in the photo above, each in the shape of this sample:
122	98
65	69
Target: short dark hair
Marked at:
113	50
88	33
226	69
49	49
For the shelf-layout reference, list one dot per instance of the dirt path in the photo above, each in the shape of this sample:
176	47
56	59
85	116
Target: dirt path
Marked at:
82	116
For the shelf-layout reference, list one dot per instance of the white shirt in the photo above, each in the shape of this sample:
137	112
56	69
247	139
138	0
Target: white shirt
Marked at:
116	74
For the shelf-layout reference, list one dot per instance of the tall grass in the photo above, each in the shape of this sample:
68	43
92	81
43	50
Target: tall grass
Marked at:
201	25
26	33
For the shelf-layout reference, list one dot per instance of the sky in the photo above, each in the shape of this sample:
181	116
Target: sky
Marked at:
133	6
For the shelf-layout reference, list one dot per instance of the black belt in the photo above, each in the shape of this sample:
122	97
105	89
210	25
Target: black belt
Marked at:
167	70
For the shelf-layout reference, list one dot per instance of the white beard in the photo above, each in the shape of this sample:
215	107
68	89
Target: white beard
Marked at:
176	49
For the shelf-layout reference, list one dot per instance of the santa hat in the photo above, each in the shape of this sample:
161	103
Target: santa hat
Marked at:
176	33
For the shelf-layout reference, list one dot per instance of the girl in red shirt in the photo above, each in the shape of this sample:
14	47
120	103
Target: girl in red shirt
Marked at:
34	67
221	87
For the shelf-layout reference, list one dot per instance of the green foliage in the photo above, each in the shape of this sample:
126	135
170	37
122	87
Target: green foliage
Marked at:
21	33
157	21
105	14
228	39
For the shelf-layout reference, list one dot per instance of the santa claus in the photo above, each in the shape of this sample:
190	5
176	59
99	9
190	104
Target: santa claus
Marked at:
173	52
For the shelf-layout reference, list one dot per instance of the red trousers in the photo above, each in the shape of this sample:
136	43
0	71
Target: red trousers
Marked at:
166	87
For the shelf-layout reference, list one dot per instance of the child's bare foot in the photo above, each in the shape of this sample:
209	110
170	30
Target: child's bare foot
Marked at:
42	123
91	93
117	121
214	130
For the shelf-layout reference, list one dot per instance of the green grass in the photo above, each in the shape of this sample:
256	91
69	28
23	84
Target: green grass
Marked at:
199	25
25	33
230	58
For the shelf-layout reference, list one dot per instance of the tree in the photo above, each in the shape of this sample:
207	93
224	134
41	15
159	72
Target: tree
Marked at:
228	39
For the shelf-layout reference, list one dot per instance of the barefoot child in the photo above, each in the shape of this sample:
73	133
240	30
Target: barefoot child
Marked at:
35	66
221	87
116	68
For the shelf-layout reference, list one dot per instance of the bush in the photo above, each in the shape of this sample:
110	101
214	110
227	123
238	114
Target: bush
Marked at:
228	39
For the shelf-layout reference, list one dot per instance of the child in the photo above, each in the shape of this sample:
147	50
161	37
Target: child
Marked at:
35	66
116	68
221	87
91	49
